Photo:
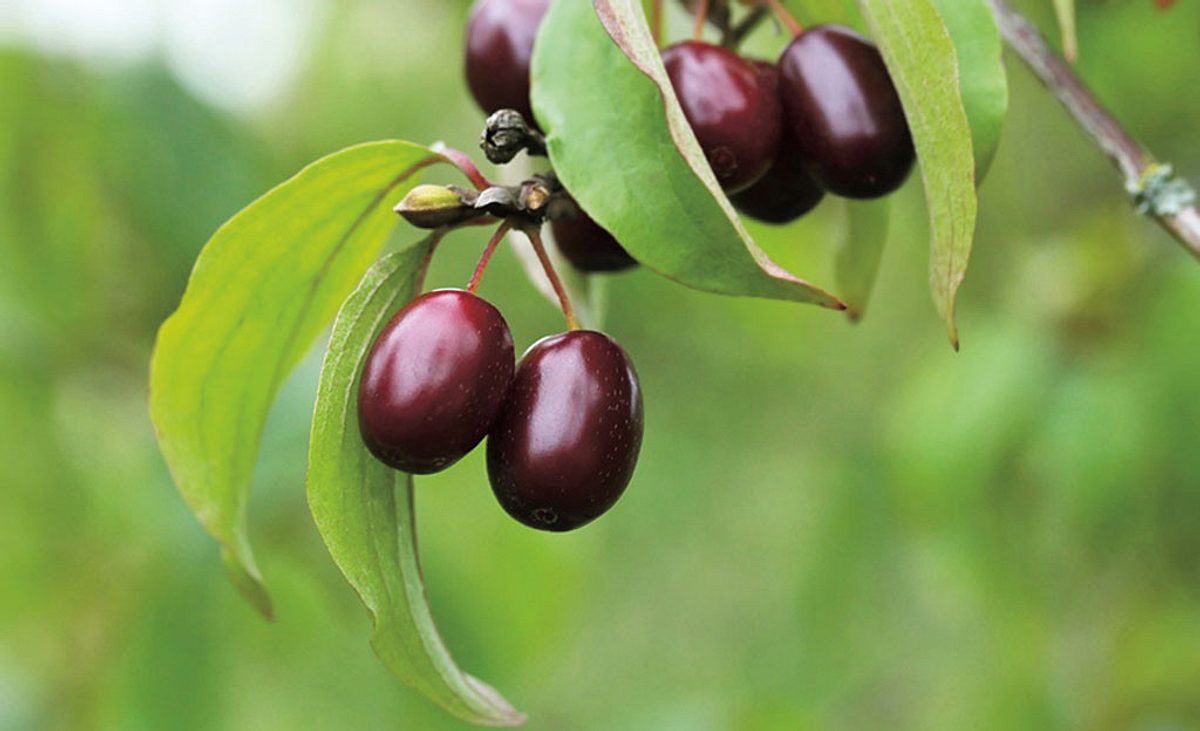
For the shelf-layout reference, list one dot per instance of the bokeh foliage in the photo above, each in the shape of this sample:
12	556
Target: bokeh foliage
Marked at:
832	527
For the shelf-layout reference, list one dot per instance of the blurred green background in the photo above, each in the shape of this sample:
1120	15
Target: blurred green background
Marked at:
831	527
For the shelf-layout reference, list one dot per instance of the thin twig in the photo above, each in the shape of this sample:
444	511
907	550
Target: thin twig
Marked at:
1155	190
486	259
717	13
464	163
434	239
535	238
701	19
789	21
656	22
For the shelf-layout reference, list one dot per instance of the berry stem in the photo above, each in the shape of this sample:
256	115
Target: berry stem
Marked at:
435	238
656	22
789	21
701	19
486	259
461	161
535	238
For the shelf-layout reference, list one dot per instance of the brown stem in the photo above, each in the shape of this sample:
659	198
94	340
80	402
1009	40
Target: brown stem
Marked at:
656	22
717	13
789	21
434	239
701	19
535	238
1155	190
486	259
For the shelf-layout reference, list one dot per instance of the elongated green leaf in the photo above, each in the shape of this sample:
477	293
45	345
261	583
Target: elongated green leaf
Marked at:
1065	11
857	261
262	290
982	78
620	144
921	58
364	510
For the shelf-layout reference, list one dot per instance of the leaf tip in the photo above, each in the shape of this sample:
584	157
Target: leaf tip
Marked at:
500	713
854	315
249	584
832	302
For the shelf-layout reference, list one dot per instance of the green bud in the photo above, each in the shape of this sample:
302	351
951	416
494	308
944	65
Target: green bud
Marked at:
435	206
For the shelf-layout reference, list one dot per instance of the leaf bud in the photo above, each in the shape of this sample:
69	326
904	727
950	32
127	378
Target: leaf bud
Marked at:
436	206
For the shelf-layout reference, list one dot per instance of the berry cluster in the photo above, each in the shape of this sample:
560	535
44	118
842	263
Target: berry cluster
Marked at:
825	118
564	427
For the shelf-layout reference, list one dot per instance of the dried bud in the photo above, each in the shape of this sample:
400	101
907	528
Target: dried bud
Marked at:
535	195
436	206
506	134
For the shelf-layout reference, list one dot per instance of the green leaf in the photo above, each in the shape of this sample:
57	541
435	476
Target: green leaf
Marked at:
262	289
858	257
364	510
620	144
921	58
1065	11
982	78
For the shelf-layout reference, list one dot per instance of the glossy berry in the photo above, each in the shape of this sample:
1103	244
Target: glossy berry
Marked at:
734	112
588	246
567	440
788	190
844	113
500	36
434	381
784	194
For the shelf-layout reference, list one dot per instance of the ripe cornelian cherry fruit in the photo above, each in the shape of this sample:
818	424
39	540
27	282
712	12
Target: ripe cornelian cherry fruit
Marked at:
734	112
500	36
567	439
787	191
587	246
844	114
784	194
434	381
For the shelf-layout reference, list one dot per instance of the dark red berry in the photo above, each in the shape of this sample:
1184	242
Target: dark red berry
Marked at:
844	113
588	246
736	115
500	36
784	194
787	191
567	440
434	381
